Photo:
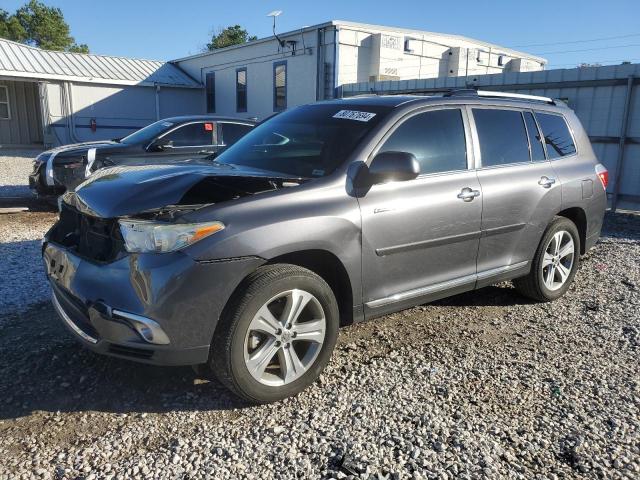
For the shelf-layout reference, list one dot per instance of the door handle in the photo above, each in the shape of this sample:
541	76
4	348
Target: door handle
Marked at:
467	194
546	182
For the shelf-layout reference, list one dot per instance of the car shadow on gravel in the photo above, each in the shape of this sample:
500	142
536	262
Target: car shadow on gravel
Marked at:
42	368
21	197
501	295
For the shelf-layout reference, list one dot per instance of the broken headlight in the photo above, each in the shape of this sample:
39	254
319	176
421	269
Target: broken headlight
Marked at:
146	236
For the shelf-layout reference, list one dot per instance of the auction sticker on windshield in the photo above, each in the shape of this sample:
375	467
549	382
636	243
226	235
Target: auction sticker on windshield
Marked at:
355	115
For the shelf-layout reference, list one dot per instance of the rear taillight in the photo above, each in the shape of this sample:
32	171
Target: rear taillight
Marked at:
603	175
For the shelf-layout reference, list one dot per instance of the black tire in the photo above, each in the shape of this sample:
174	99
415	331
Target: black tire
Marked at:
533	285
226	358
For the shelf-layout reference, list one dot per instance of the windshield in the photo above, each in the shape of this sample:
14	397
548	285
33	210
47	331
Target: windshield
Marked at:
148	133
309	141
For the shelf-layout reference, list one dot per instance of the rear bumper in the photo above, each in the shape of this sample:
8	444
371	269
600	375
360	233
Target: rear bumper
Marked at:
153	308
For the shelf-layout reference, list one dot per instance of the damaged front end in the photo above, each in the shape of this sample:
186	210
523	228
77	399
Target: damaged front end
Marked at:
139	209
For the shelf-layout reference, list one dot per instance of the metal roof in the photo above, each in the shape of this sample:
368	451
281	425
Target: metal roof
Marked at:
19	60
418	34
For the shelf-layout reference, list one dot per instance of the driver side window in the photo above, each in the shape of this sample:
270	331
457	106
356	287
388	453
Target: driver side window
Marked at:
436	138
193	135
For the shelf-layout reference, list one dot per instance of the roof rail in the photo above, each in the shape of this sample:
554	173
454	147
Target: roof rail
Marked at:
466	92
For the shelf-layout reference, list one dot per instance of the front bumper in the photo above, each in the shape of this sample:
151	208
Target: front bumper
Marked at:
153	308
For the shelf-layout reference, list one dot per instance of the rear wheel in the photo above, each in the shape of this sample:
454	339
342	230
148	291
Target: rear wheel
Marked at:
554	264
277	334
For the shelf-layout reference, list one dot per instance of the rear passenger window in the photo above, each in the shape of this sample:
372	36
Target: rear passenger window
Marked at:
232	132
535	139
503	138
435	138
556	135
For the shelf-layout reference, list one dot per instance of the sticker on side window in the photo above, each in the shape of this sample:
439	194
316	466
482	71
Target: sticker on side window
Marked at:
208	127
355	115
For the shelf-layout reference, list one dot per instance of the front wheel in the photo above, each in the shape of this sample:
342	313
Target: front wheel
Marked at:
276	335
554	264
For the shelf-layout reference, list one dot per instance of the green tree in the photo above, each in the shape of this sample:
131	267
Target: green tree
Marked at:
234	35
10	27
41	26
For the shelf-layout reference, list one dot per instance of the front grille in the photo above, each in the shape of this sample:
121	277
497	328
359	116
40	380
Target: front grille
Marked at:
89	237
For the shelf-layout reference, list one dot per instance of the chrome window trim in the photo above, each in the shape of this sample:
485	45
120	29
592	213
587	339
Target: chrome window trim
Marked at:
199	121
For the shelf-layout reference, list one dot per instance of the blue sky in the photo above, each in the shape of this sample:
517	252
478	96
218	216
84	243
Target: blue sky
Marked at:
165	30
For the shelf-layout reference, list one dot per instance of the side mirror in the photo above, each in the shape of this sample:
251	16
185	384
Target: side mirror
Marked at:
393	167
160	145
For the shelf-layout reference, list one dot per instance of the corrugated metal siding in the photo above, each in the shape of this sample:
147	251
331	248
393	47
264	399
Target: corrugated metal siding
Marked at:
25	125
596	94
18	60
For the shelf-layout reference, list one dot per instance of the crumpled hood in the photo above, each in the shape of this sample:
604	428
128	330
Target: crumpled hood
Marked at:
123	191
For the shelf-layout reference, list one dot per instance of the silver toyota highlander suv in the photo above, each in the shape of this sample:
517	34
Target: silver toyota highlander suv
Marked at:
325	215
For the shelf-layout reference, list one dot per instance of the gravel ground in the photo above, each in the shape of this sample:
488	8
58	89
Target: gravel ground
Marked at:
481	385
15	166
23	281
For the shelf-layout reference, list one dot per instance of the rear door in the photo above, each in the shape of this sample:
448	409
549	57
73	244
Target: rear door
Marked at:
420	237
520	193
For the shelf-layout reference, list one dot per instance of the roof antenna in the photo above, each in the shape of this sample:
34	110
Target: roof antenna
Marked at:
274	14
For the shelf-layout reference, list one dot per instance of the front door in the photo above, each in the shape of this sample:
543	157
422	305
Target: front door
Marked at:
520	193
420	237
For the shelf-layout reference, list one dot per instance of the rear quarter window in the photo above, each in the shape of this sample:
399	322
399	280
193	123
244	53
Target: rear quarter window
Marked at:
557	137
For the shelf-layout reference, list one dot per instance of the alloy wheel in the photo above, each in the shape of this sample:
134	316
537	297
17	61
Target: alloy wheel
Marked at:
284	337
558	260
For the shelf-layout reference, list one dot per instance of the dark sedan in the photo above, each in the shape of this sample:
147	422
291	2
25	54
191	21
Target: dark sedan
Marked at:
189	139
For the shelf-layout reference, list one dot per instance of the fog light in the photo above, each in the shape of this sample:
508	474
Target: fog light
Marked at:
148	329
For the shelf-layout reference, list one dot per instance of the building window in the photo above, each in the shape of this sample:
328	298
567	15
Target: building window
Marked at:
241	90
279	86
211	92
407	44
5	111
481	56
501	61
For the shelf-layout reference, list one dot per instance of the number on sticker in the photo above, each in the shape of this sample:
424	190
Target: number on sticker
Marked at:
355	115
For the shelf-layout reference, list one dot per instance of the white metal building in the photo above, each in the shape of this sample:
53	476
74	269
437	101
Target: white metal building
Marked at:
259	78
53	98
